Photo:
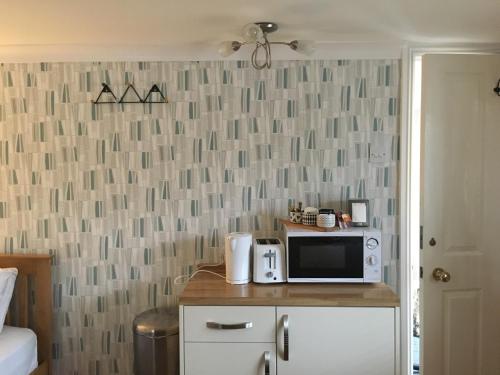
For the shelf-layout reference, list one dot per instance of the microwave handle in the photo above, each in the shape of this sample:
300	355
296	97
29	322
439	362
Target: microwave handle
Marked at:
286	339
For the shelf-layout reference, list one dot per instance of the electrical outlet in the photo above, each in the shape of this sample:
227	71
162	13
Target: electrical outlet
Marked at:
377	154
375	157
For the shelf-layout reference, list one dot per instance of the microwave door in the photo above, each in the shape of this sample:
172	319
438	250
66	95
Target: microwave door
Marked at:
336	259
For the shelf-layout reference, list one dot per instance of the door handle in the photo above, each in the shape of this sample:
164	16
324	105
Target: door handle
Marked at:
286	338
440	274
215	325
267	363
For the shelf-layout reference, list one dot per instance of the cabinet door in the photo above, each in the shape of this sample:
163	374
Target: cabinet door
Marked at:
336	341
229	358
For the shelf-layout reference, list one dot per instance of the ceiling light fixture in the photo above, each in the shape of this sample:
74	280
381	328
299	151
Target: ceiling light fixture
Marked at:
257	33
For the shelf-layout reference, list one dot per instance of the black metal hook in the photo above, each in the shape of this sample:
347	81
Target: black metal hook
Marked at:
130	86
155	89
148	99
497	89
105	90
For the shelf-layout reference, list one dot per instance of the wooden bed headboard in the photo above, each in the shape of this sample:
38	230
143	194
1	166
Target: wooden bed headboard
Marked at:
31	305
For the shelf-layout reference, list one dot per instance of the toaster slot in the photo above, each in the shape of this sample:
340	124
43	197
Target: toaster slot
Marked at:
271	255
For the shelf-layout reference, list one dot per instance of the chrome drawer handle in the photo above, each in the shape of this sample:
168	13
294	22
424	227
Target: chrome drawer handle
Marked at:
243	325
267	365
286	338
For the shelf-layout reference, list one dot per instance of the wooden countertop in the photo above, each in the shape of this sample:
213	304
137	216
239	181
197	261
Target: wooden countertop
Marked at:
206	289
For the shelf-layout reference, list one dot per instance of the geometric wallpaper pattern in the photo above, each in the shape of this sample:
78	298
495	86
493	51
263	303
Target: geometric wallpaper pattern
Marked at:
127	197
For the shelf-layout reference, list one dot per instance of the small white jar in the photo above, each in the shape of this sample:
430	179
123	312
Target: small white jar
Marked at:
325	220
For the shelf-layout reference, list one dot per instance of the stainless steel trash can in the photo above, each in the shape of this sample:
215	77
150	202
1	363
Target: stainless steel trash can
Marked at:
156	342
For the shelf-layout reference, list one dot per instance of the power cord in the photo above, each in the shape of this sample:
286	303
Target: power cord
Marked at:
182	279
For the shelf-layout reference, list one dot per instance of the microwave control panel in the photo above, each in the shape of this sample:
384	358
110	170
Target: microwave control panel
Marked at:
372	257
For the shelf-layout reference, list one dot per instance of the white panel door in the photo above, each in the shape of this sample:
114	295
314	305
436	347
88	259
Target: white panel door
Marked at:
229	358
461	215
336	341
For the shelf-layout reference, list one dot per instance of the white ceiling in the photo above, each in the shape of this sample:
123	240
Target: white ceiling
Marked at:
195	25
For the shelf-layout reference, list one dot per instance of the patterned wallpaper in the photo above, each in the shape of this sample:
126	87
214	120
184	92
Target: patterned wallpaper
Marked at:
127	197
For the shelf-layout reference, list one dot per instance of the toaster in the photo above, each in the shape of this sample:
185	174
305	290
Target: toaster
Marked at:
268	260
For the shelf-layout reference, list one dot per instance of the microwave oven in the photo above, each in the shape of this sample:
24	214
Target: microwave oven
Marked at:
346	256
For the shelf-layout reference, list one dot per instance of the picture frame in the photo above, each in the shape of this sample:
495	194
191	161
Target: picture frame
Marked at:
359	211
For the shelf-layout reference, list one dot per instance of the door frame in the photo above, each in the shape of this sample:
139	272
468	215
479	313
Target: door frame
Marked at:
410	178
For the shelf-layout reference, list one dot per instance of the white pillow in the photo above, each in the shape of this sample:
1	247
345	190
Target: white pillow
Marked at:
7	282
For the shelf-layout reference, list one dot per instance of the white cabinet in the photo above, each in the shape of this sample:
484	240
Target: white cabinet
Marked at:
336	340
228	340
244	340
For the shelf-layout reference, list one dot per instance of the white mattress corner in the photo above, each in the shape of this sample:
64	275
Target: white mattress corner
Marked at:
18	352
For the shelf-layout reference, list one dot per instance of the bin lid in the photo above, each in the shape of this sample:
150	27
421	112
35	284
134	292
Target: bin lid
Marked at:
158	322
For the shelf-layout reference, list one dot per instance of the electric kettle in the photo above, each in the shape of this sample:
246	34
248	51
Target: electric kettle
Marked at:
237	256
